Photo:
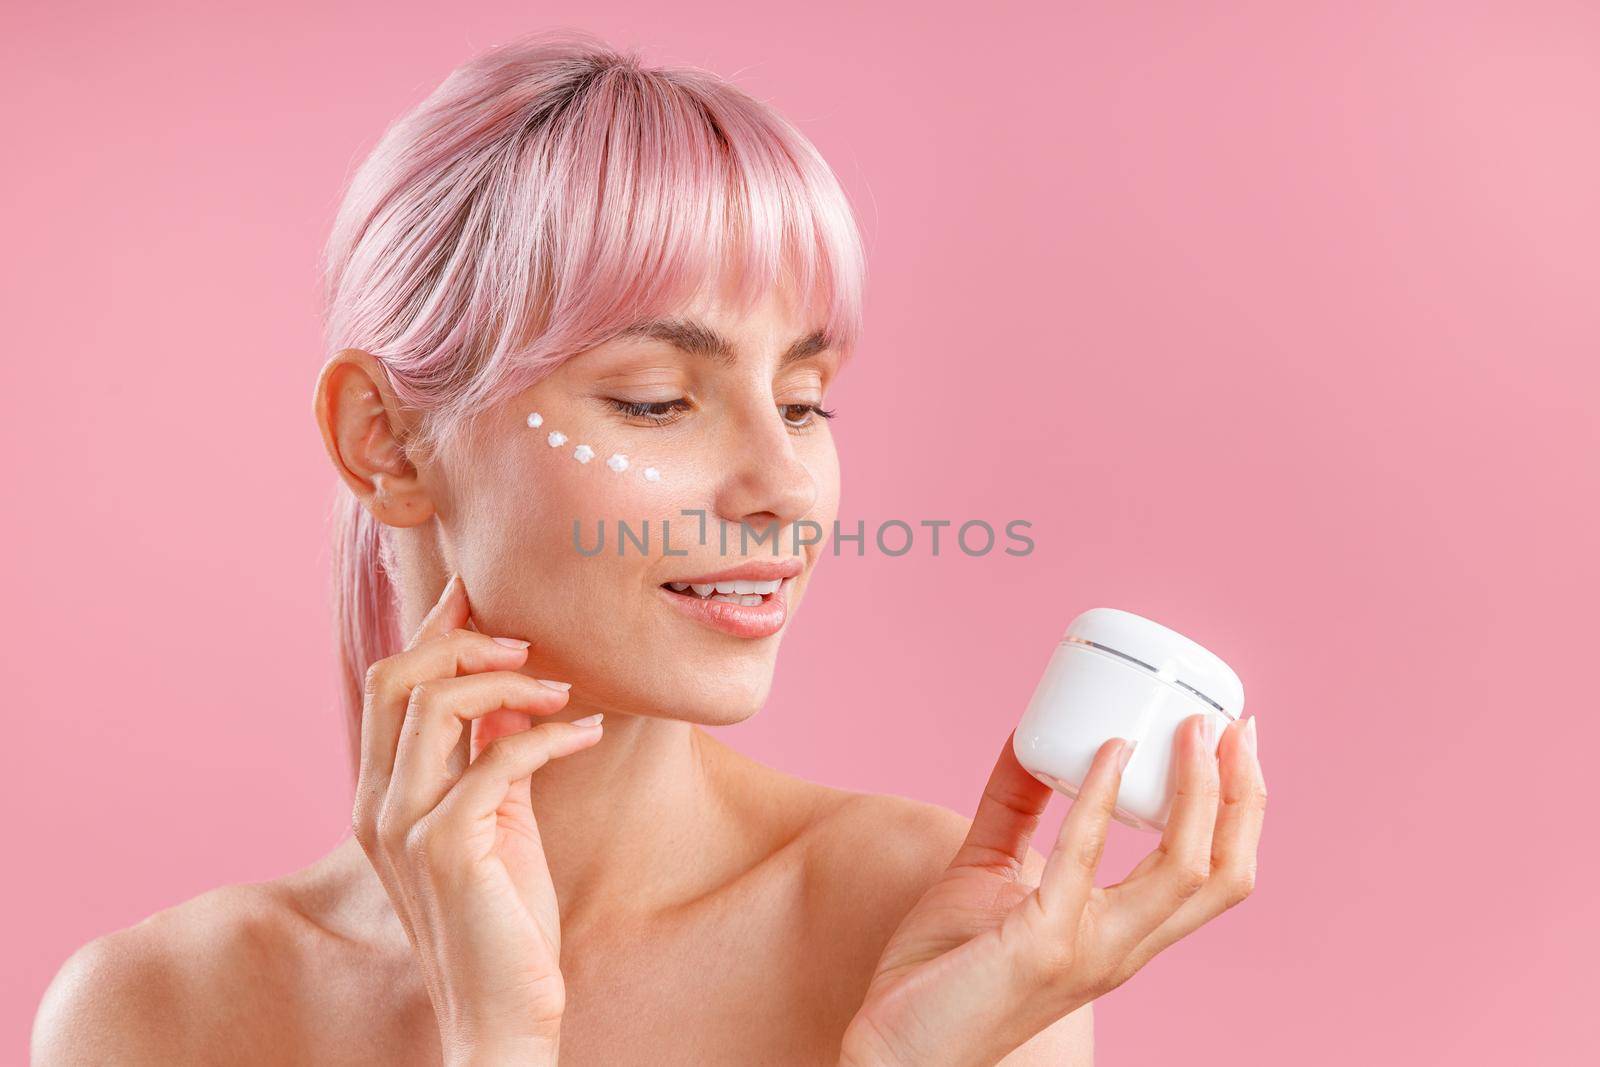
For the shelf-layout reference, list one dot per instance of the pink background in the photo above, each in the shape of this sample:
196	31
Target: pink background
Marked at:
1277	320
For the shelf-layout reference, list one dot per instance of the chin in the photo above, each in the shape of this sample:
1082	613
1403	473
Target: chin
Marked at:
721	695
709	680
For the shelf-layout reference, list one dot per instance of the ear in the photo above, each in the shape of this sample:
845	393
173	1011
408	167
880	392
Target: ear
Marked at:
363	428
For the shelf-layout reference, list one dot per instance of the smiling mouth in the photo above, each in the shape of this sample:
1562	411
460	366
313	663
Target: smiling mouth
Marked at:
748	593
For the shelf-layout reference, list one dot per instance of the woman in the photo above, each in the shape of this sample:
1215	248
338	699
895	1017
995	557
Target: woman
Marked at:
568	292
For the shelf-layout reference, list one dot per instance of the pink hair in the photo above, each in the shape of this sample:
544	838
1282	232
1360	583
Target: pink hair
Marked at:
549	193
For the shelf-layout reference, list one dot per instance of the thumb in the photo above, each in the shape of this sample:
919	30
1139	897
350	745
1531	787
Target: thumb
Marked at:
1013	801
497	724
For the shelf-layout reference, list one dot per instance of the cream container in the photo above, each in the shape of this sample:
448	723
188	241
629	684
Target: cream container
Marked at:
1117	674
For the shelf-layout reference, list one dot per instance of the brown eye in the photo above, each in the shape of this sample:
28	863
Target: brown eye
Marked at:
799	416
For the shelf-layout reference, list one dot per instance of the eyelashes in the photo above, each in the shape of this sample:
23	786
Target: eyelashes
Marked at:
659	411
665	412
812	409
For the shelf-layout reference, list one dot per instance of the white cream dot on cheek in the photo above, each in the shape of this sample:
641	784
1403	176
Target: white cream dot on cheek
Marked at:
618	462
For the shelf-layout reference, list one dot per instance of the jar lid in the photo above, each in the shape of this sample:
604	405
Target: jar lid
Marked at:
1165	653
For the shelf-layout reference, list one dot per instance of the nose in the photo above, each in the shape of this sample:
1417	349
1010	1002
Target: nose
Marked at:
767	483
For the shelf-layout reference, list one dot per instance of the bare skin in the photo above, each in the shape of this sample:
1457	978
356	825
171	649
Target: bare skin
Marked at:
768	966
522	888
711	909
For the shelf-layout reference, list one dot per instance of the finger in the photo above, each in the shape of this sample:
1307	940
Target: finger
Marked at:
1006	817
482	789
1143	901
435	717
519	794
488	728
448	612
384	695
388	691
1234	846
1239	818
485	729
1069	870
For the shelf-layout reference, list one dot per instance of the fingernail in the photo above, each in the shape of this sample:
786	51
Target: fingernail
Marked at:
1210	733
589	720
563	686
1125	755
1250	734
449	587
511	642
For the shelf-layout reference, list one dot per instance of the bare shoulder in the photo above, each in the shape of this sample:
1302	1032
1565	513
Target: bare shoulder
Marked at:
892	847
875	855
167	988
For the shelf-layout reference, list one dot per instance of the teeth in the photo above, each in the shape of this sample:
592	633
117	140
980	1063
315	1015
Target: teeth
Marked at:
741	587
737	592
763	588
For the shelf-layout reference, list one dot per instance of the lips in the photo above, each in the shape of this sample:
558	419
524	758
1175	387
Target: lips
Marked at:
750	600
756	570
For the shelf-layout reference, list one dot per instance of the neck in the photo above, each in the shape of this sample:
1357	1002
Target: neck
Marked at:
617	819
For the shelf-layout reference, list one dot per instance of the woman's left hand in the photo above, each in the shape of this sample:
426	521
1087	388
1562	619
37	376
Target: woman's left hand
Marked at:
986	959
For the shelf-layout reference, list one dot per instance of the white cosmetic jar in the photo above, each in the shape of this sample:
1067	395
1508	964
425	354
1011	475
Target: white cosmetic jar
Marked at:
1117	674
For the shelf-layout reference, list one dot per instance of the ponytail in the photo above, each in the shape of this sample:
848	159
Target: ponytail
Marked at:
364	609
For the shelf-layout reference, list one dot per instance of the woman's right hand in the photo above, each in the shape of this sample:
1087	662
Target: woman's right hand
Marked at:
456	847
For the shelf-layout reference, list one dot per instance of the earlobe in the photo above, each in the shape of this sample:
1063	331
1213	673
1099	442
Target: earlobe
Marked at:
362	429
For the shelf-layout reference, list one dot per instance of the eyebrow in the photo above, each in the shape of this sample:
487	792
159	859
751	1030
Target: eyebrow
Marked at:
698	339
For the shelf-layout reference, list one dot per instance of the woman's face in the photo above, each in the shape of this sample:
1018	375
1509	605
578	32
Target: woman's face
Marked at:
723	408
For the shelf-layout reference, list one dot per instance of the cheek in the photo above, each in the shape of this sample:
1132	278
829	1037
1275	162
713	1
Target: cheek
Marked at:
611	484
549	501
823	463
620	479
522	536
